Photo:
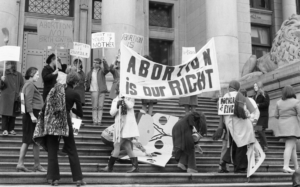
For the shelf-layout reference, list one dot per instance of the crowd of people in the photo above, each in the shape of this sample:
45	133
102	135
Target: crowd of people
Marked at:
48	118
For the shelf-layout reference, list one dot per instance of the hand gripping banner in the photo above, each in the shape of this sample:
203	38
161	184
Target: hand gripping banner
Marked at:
143	79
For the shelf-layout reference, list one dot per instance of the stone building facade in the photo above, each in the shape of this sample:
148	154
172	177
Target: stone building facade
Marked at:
240	27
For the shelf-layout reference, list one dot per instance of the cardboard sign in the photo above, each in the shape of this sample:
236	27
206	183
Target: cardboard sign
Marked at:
61	78
226	105
133	41
10	53
81	50
23	111
55	34
141	78
76	125
187	53
255	156
103	40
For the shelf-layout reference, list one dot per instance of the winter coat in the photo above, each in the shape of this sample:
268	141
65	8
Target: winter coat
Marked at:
102	88
80	88
263	106
49	80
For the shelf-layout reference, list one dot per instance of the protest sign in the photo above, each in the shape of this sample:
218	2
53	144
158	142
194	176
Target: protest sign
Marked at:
55	34
103	40
81	50
76	123
161	144
143	79
255	156
226	105
10	53
187	53
133	41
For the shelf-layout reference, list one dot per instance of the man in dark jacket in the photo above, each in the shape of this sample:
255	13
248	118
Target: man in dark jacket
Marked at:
96	84
10	85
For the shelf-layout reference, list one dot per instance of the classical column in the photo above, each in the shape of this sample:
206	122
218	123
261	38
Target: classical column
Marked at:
118	16
288	8
8	20
222	25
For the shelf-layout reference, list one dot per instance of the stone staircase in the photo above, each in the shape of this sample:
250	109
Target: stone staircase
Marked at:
94	155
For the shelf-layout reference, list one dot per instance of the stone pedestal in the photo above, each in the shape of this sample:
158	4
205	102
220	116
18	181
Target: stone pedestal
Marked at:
222	24
288	8
8	20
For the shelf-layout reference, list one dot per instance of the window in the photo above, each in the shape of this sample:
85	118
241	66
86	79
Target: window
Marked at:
52	7
160	14
298	6
97	9
260	38
161	51
260	4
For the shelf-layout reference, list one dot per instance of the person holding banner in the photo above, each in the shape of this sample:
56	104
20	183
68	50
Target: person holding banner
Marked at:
125	129
10	102
190	103
240	130
147	104
33	105
287	112
115	71
96	84
182	135
263	101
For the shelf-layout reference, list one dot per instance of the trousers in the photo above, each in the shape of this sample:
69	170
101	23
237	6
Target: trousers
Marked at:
97	106
8	123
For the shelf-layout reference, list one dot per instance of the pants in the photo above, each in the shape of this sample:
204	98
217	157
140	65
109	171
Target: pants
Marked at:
223	152
239	157
70	149
97	106
8	123
262	138
189	160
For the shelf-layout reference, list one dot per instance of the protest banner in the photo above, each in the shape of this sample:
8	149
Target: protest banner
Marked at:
187	53
10	53
226	105
133	41
255	156
160	145
56	34
143	79
81	50
103	40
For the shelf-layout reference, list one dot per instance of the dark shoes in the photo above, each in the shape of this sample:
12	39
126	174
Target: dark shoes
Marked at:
61	153
111	163
223	168
241	171
135	165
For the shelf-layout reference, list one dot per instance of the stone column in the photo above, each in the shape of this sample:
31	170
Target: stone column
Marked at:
8	20
118	16
288	8
222	25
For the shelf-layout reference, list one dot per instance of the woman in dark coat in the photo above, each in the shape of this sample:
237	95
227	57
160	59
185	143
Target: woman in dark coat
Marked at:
80	88
190	103
263	101
183	142
10	85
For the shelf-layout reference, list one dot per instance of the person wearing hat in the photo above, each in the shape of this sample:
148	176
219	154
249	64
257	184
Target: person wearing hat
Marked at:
96	84
240	130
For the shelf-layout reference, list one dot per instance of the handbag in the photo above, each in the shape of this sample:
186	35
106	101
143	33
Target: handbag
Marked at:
17	106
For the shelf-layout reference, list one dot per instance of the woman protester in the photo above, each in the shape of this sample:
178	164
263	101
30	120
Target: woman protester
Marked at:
55	122
115	71
147	104
184	149
190	103
125	129
262	100
33	105
288	112
10	104
80	87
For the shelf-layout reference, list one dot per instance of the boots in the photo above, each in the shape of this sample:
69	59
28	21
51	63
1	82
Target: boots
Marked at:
135	165
111	163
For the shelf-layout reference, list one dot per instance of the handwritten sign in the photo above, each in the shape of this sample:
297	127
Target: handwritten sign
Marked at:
187	53
226	105
133	41
56	34
8	53
81	50
103	40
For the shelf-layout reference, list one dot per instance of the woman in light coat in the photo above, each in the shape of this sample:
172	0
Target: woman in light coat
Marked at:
288	112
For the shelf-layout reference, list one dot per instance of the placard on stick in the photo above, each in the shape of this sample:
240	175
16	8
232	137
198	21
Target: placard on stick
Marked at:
57	34
133	41
226	105
10	53
103	40
81	50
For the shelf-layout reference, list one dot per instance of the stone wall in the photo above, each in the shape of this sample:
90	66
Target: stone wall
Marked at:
244	32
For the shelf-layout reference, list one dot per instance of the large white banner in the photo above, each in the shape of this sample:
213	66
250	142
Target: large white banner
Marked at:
187	53
144	79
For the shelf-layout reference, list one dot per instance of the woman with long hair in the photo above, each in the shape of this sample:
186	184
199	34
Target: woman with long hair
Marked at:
33	105
263	101
288	112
